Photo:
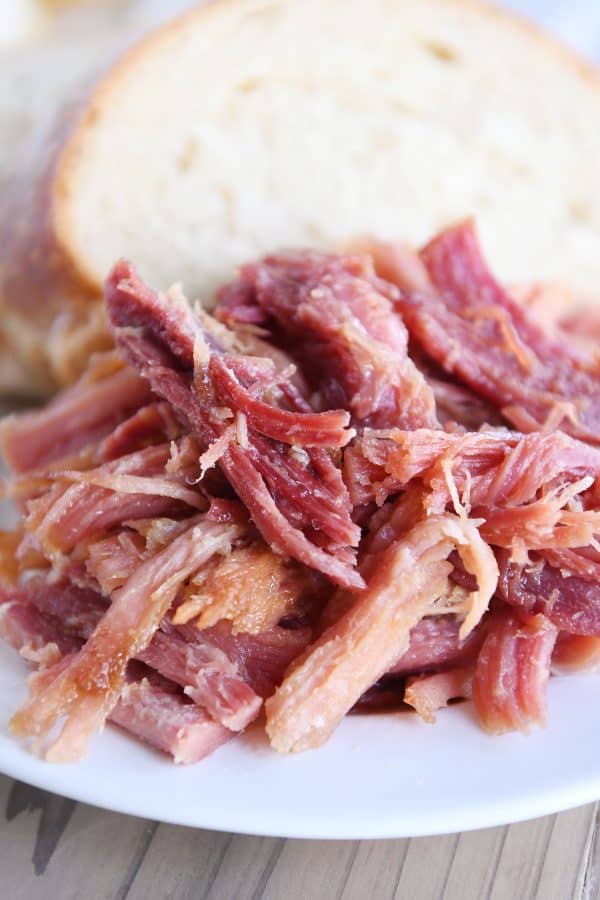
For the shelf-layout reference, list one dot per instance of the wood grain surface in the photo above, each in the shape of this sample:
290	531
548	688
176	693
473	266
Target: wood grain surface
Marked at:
54	848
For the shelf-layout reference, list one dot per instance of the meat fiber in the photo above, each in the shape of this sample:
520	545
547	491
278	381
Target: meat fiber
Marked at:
513	667
84	505
435	644
224	672
207	676
163	719
186	365
429	693
571	602
470	326
499	468
252	587
575	653
203	670
78	417
410	577
87	690
335	316
150	708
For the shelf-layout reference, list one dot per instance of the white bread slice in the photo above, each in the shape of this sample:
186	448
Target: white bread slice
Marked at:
251	124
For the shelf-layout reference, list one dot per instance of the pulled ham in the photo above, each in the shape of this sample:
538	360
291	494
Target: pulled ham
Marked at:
186	362
474	329
512	671
408	581
371	479
336	315
87	689
149	707
429	693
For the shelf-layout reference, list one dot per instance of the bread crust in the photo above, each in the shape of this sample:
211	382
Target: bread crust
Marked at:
49	298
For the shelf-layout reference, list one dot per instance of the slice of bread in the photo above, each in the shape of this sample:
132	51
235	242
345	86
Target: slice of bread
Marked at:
251	124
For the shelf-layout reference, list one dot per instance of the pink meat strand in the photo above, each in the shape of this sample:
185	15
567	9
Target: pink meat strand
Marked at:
474	329
159	337
164	720
512	672
575	653
151	424
79	416
88	689
434	643
352	654
205	672
571	602
224	673
149	708
74	512
428	694
261	659
501	468
207	675
336	317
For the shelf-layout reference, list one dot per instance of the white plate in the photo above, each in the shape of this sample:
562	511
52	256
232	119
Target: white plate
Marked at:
379	776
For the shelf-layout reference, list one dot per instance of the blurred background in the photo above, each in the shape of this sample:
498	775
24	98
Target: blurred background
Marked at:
49	49
576	21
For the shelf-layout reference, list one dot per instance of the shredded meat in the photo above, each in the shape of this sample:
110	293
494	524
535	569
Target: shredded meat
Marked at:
470	326
150	707
78	417
252	587
429	693
86	691
372	479
434	644
513	667
572	602
409	579
335	316
186	365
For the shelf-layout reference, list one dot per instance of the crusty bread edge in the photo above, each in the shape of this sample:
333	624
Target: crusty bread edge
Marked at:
213	11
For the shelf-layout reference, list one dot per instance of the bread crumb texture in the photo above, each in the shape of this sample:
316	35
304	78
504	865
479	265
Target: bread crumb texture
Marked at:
262	124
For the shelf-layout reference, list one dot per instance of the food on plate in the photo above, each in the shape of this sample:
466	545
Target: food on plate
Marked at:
285	123
368	478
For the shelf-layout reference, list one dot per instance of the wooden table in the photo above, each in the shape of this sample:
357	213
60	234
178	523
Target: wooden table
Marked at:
57	849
